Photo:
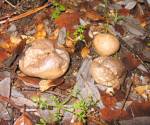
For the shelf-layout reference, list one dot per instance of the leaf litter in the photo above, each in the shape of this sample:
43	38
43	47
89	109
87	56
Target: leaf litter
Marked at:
75	97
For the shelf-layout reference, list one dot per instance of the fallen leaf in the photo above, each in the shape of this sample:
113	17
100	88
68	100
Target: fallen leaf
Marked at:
139	109
130	61
85	52
109	101
3	54
30	81
40	31
93	15
124	12
67	20
23	120
46	84
110	114
142	89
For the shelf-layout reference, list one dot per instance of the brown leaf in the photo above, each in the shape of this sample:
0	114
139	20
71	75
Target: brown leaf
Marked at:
68	20
139	109
110	114
85	52
3	55
93	15
109	101
23	120
3	122
30	81
130	61
124	12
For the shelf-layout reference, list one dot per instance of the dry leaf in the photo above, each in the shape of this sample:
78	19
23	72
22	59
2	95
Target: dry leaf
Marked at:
110	114
14	39
109	101
23	120
68	20
130	61
40	31
45	84
3	55
142	89
93	15
85	52
30	81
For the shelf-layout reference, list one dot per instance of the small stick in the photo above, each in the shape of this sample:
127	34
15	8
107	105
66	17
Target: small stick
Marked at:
23	15
10	4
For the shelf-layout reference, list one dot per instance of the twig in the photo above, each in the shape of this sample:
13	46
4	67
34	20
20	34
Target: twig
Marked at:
127	95
10	4
23	15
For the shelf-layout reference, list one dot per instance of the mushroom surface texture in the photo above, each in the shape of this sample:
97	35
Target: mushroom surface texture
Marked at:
106	44
108	71
42	59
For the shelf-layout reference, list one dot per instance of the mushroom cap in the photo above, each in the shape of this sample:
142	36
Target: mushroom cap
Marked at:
106	44
108	71
42	59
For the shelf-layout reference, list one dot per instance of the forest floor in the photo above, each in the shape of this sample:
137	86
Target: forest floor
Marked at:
75	97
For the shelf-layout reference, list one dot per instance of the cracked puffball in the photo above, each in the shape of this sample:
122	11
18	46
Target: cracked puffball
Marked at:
108	71
106	44
45	60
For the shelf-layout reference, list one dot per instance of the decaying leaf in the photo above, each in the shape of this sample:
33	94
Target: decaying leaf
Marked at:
40	31
130	61
46	84
23	120
110	114
67	20
85	52
143	90
93	15
30	81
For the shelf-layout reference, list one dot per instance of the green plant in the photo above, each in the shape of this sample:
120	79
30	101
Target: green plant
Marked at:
78	34
41	102
59	8
59	106
116	17
42	122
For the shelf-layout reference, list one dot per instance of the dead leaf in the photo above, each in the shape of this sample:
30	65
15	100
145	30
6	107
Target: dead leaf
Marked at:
3	55
93	15
109	101
124	12
130	61
40	31
139	109
23	120
142	89
46	84
68	20
85	52
30	81
110	114
3	122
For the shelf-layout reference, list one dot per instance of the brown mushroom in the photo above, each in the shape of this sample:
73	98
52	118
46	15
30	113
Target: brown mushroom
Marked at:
44	60
106	44
108	71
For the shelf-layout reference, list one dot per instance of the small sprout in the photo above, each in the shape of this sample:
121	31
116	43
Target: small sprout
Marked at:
78	34
41	102
80	110
59	8
115	16
42	122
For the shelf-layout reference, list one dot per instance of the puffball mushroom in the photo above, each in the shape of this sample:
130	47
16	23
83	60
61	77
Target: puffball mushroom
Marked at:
106	44
108	71
45	60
